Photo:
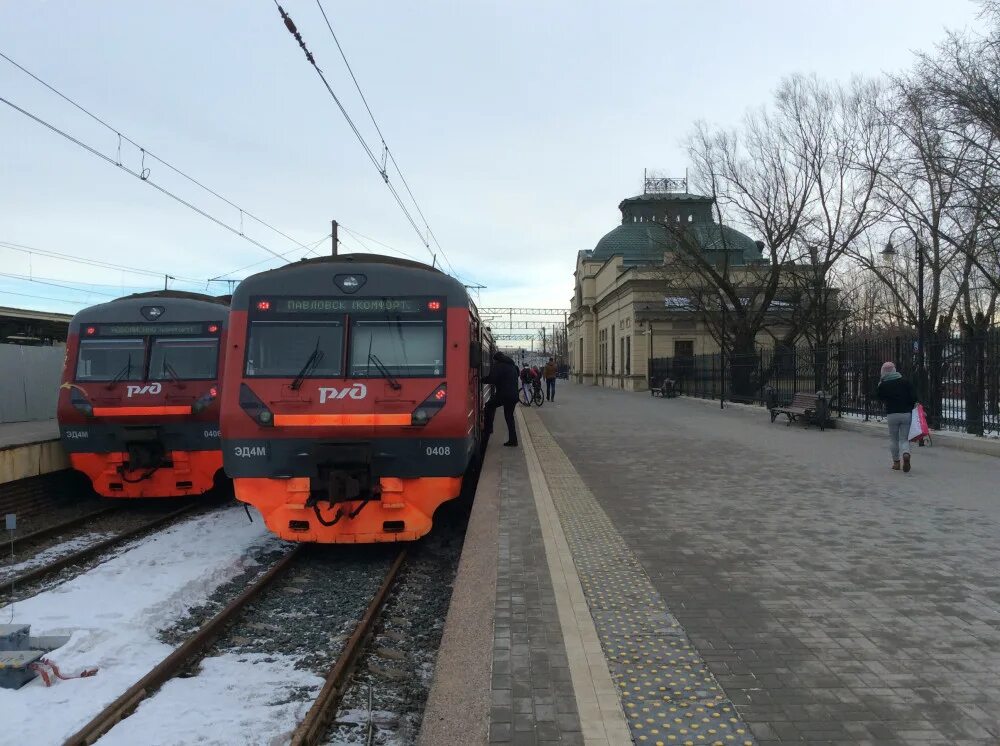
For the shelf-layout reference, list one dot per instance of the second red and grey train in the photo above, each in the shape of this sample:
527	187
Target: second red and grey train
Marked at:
138	410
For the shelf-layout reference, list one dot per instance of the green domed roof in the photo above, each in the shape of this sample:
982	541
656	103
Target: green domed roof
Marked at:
647	241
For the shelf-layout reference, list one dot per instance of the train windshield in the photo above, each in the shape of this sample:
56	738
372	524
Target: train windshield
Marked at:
283	349
183	358
111	360
403	348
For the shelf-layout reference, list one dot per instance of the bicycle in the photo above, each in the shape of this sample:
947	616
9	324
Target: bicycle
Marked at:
535	396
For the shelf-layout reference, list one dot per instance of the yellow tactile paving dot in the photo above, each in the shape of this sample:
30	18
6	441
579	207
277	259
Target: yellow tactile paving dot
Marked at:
668	694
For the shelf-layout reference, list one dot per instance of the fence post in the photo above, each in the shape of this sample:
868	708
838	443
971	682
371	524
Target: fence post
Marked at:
722	374
841	351
864	377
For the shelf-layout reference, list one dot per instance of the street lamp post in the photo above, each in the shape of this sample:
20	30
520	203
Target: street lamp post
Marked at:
890	250
649	366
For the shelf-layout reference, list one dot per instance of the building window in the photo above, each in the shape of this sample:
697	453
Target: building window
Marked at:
612	350
628	355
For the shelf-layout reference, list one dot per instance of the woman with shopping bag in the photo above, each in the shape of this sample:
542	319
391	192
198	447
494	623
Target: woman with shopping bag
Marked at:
900	400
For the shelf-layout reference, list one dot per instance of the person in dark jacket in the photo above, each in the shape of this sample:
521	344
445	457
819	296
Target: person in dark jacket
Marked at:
550	372
899	398
504	378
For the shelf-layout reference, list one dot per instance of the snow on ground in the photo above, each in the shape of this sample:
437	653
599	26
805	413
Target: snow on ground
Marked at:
54	552
234	699
113	613
361	719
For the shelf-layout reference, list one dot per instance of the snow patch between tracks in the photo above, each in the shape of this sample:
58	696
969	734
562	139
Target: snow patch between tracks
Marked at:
113	614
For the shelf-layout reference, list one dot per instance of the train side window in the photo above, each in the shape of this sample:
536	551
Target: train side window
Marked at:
403	348
111	359
183	358
280	349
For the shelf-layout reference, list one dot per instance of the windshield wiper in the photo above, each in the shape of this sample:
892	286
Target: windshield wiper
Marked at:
173	374
122	374
373	358
311	362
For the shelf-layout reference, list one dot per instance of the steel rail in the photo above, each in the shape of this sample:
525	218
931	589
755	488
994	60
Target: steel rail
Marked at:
45	533
94	549
313	727
174	663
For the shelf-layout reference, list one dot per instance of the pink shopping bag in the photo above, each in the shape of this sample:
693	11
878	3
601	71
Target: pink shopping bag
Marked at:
918	423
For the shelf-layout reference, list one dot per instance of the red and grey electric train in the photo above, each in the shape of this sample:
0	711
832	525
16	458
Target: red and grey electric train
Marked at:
353	406
139	406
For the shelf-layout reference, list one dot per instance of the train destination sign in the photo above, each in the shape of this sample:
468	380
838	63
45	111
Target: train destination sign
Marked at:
143	330
347	305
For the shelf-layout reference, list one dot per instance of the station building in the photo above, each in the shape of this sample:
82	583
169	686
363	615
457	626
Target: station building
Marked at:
621	314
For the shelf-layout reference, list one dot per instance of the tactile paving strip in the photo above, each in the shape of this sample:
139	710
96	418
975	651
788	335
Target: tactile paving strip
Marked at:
667	692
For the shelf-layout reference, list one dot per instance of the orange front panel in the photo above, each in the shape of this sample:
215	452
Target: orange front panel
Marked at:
319	420
106	474
412	501
141	411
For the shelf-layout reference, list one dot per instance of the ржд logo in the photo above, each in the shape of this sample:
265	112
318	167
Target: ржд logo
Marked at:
356	391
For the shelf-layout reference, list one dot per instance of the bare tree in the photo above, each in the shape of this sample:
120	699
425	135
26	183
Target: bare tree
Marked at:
840	132
760	184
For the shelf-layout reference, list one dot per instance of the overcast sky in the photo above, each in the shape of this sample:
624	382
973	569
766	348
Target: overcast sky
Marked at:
518	125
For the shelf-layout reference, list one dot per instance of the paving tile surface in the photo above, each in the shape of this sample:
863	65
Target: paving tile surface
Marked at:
833	600
666	690
533	701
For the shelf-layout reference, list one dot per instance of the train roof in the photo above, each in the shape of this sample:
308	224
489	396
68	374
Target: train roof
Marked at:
383	276
177	305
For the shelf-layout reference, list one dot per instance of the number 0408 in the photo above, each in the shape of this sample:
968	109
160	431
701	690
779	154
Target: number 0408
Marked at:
438	450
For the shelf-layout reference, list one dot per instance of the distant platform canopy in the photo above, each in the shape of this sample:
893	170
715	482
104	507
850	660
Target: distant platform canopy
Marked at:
24	326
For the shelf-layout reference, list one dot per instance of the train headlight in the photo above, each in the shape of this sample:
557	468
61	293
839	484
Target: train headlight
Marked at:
202	402
80	403
430	406
254	407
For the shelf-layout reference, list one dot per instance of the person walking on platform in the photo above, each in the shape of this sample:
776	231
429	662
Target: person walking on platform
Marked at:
503	376
550	371
900	398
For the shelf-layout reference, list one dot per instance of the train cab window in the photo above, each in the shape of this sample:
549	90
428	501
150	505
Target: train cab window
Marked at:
186	358
111	360
280	349
403	348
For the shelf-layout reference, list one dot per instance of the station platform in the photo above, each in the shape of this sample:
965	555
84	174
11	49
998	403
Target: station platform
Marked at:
30	449
663	572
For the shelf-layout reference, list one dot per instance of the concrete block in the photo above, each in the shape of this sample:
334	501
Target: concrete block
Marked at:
14	671
14	636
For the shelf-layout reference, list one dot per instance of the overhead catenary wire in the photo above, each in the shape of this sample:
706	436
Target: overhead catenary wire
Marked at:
57	284
147	153
91	262
385	147
311	249
380	167
359	236
44	297
142	175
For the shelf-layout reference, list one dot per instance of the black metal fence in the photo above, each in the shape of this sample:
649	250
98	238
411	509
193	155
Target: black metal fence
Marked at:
958	379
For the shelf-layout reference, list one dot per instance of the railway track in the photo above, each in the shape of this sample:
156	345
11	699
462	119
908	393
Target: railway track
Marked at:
34	537
91	551
313	727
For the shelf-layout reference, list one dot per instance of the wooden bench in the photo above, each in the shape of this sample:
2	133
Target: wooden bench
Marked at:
811	408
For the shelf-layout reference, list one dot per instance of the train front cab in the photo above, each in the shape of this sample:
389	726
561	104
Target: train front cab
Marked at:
138	409
355	417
